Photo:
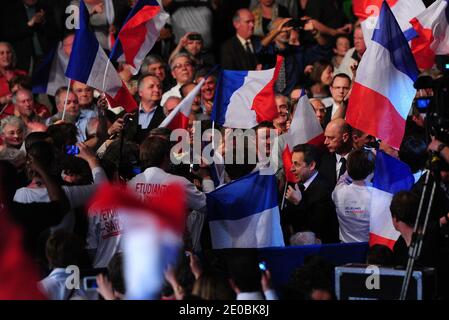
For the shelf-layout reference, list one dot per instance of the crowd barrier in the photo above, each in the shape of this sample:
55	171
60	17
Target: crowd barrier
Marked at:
283	261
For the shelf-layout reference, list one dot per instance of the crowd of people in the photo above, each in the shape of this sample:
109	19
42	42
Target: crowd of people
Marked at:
57	149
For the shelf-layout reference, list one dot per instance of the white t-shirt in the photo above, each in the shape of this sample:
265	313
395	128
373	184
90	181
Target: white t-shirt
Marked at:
104	235
153	180
78	196
353	206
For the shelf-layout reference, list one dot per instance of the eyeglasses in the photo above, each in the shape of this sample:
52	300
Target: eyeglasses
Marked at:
180	65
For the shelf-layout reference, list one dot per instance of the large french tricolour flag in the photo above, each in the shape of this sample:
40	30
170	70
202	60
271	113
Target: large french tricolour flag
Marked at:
245	213
139	33
89	64
304	128
390	177
179	117
383	90
152	234
432	26
404	10
243	99
50	75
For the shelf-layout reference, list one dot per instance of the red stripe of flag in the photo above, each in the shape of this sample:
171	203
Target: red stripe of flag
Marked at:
373	113
264	103
124	99
424	56
376	239
180	121
361	10
133	33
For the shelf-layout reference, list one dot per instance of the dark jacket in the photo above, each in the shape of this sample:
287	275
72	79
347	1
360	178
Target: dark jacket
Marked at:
14	29
328	168
134	131
235	57
315	212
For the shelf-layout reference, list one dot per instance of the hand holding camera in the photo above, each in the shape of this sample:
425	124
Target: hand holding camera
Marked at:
86	154
189	36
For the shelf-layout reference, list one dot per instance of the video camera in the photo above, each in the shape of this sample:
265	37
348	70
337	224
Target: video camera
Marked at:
436	106
296	24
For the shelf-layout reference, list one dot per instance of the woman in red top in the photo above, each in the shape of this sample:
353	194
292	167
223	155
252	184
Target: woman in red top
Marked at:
7	71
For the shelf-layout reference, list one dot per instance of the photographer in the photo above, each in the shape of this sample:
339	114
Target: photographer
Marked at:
439	148
193	44
404	209
284	40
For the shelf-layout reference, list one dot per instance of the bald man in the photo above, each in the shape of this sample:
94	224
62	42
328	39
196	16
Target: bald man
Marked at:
338	143
239	52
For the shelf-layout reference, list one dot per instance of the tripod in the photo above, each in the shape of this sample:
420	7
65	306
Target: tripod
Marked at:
419	232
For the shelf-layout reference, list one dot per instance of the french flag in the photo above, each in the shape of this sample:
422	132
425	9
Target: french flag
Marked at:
139	33
432	27
50	75
390	177
89	64
383	90
243	99
152	234
404	10
245	213
304	128
179	117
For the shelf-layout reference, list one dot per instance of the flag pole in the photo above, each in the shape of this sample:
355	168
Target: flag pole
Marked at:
105	73
66	98
284	193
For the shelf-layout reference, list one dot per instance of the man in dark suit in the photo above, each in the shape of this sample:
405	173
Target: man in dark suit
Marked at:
310	206
150	114
339	143
25	25
239	52
339	88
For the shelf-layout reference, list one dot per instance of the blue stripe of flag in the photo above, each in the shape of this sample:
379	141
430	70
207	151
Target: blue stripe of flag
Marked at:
84	51
42	74
228	82
389	35
446	11
391	175
242	198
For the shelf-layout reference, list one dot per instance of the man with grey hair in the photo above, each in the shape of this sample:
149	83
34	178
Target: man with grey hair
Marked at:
24	106
182	70
239	52
150	114
73	114
155	65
